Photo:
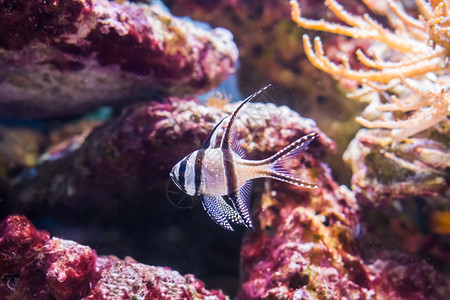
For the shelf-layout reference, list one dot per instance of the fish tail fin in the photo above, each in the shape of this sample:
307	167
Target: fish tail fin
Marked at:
286	177
292	149
276	162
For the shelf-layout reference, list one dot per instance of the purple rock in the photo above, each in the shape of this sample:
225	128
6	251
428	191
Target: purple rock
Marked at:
35	266
66	57
136	151
307	245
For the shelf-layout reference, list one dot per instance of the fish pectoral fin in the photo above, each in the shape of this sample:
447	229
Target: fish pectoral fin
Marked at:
241	202
218	210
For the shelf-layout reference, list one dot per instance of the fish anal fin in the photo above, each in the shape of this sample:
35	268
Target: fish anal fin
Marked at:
241	200
245	192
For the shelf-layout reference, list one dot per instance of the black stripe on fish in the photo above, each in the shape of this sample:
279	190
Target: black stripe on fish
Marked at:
230	171
239	203
198	170
181	172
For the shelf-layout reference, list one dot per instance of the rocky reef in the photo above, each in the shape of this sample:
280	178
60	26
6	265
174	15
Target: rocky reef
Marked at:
100	178
35	266
315	245
67	57
306	243
141	146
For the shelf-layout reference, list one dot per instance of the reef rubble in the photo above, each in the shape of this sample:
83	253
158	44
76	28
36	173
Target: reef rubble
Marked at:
35	266
67	57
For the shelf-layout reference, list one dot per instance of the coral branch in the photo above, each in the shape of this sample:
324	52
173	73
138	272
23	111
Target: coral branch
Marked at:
320	61
416	48
364	28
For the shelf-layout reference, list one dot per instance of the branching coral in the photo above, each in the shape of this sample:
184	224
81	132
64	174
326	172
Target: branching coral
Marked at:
415	49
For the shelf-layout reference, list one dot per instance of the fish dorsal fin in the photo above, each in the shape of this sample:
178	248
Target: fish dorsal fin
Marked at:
210	142
235	145
226	140
214	206
241	201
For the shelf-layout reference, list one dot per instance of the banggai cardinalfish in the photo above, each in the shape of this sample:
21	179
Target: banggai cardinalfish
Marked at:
221	176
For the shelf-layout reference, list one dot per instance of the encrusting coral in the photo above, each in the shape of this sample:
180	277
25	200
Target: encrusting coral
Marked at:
416	49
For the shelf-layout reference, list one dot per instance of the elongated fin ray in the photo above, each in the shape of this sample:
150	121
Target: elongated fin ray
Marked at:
210	142
213	207
290	150
286	177
277	170
226	141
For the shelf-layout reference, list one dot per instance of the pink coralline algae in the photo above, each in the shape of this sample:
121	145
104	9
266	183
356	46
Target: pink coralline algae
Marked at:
65	57
128	279
307	246
35	266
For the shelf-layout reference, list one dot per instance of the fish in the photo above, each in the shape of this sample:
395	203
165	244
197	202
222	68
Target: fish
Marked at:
221	176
